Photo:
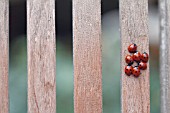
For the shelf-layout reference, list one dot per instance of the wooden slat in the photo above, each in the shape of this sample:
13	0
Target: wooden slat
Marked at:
41	56
134	29
87	56
165	55
4	55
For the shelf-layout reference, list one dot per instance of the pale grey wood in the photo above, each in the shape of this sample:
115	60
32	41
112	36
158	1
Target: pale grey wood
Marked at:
4	55
87	56
165	55
135	92
41	56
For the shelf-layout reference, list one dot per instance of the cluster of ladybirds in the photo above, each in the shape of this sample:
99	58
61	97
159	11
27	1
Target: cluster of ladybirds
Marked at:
140	59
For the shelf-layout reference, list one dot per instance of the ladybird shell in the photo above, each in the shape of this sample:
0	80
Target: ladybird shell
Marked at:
136	56
145	57
142	65
129	60
128	70
136	71
132	48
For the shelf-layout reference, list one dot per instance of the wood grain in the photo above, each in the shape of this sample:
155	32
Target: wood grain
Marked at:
165	55
87	56
41	56
4	55
134	29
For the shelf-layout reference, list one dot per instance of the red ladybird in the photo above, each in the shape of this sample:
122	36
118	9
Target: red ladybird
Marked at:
132	48
145	57
136	56
128	70
129	60
136	71
142	65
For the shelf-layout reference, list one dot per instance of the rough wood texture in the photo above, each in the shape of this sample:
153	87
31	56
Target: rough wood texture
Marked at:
41	56
87	56
165	55
134	29
4	55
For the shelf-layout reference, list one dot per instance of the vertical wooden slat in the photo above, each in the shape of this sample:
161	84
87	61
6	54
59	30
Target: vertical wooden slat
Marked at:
134	29
4	55
87	56
41	56
165	55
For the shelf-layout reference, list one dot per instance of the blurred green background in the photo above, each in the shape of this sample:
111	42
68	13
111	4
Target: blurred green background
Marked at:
64	76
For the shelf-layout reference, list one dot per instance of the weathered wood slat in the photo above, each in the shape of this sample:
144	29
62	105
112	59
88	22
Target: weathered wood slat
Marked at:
134	29
87	56
4	55
165	55
41	56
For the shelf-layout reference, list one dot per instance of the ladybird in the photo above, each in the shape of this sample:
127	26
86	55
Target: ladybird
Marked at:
136	56
145	57
142	65
128	70
136	71
132	48
129	60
